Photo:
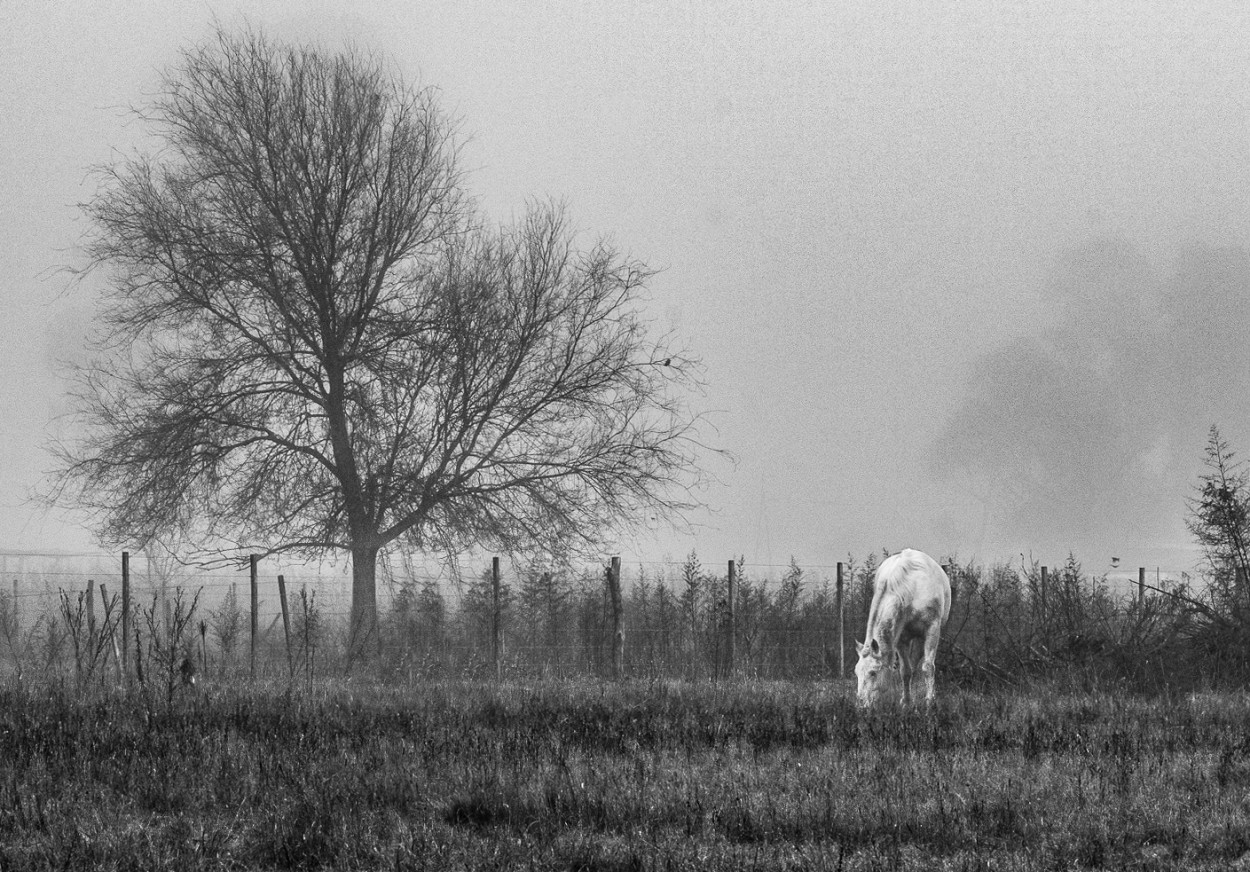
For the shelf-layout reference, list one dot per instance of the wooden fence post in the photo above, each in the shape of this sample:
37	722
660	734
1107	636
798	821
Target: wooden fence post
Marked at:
866	590
251	564
1141	584
126	614
731	646
1045	583
618	619
111	628
91	616
495	629
286	625
985	619
841	588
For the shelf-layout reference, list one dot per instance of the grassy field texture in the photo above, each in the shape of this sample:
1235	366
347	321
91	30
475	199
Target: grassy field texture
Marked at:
605	777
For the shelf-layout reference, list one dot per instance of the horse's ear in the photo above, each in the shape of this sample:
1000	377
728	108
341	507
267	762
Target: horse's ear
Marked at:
876	649
860	647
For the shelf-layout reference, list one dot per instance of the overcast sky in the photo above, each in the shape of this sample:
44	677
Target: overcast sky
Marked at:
969	277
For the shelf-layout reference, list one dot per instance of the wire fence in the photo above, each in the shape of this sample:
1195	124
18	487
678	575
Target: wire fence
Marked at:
62	615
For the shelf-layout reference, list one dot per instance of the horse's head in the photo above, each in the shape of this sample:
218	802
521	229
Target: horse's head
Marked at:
875	670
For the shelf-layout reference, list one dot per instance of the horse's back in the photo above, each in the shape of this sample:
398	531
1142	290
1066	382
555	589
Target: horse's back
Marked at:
918	583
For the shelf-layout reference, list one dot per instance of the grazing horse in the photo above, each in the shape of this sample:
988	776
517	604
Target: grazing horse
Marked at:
911	600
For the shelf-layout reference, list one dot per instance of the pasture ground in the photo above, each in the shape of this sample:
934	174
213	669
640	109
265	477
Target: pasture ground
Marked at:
642	775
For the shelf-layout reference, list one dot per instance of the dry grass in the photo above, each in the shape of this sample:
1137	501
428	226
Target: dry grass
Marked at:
603	777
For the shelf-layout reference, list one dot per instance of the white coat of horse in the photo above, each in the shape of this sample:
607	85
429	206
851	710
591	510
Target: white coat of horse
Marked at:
911	600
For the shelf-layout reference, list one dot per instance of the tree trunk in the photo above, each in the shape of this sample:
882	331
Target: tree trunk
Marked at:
363	639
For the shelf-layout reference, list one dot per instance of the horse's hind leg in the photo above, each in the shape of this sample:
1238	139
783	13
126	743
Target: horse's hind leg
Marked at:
929	665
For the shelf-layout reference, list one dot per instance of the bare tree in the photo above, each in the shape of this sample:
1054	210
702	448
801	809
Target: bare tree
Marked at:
170	639
314	345
1219	518
309	626
227	625
91	649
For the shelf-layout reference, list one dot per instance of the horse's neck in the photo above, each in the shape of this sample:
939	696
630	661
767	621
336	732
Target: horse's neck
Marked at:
884	621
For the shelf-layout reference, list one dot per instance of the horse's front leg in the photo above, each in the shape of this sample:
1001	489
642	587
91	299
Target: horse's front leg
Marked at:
905	668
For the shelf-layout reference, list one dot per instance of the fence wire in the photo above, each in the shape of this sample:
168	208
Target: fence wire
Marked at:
786	621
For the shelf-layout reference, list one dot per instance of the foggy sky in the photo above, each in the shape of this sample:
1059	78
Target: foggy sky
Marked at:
972	279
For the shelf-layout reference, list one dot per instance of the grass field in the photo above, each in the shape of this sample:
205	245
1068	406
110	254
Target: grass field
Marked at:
606	777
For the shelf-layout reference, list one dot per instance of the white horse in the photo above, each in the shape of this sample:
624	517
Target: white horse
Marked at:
911	600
